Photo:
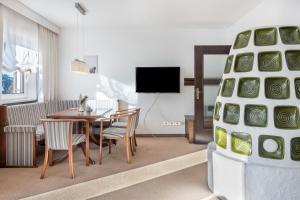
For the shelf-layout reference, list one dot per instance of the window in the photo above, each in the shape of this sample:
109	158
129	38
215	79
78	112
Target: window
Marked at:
20	59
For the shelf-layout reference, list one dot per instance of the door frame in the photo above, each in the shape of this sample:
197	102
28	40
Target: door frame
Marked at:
203	135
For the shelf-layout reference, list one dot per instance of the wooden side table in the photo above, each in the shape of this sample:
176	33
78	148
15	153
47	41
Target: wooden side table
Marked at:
189	127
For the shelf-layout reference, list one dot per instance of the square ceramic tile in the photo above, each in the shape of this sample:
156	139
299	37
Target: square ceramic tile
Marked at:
228	64
256	115
217	110
270	146
221	137
286	117
265	37
277	88
290	35
269	61
248	87
231	113
228	87
242	40
241	143
297	87
295	149
244	62
293	59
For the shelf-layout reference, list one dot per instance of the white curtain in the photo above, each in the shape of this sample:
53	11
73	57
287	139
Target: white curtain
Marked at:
19	34
48	48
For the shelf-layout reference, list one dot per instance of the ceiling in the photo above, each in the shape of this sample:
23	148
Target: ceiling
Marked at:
145	13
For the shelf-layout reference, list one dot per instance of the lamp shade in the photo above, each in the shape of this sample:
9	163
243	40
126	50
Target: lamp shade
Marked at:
79	66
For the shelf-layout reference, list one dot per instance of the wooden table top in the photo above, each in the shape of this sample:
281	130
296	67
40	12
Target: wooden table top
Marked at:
74	114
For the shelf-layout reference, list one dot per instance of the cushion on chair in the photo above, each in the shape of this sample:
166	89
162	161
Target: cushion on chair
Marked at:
78	138
120	132
119	124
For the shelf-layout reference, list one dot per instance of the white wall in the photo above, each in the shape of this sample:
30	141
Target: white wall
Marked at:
29	13
120	51
268	13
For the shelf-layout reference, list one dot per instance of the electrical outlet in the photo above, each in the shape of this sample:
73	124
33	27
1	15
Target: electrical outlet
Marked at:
174	123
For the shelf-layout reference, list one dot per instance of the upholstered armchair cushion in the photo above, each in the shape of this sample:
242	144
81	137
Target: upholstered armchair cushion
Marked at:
26	114
59	105
26	129
119	124
120	132
19	129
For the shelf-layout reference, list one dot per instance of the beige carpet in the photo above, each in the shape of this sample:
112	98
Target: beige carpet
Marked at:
18	183
187	184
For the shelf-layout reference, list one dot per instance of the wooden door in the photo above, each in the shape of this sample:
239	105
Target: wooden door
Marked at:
203	129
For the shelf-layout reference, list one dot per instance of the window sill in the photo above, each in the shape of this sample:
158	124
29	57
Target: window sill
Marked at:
17	101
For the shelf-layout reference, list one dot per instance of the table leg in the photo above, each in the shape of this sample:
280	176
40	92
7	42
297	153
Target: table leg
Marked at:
87	143
92	136
51	162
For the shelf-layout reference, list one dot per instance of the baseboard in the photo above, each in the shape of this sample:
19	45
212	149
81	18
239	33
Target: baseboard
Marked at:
160	135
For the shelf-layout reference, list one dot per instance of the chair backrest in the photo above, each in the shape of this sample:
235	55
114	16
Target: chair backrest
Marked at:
131	124
137	117
58	133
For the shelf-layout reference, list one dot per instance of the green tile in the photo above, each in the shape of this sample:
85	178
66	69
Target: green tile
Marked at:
228	87
217	110
221	137
277	154
293	59
256	115
244	62
241	143
242	40
290	35
286	117
295	149
297	87
248	87
277	88
269	61
231	113
265	37
228	64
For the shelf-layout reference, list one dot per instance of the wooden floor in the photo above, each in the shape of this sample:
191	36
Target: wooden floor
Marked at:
187	184
18	183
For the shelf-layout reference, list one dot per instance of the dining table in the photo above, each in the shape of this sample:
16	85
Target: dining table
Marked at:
90	118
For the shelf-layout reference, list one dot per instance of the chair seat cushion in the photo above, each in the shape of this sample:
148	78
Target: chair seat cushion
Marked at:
119	124
78	138
120	132
40	134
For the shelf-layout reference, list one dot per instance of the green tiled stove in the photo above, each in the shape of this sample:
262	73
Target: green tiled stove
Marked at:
256	155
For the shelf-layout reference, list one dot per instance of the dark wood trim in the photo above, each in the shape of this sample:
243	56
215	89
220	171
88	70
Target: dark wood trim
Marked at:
201	133
161	135
3	123
189	81
211	81
207	81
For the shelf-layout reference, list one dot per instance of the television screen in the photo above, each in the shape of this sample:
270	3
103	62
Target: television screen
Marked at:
158	79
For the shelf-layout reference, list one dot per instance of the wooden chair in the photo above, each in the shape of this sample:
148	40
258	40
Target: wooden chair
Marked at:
58	136
121	124
116	133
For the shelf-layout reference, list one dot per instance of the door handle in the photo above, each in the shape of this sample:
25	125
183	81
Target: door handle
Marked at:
197	93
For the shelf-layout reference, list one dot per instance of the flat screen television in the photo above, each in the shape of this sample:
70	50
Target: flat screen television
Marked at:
158	79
